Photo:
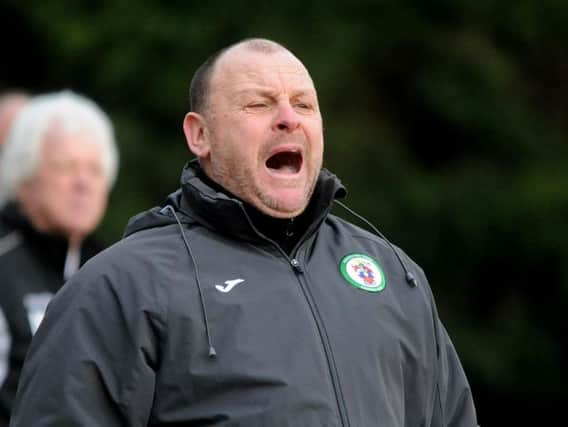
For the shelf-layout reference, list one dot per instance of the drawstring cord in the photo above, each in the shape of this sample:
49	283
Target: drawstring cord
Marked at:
410	279
212	352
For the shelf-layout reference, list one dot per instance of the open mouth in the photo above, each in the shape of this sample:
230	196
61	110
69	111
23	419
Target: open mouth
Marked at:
287	162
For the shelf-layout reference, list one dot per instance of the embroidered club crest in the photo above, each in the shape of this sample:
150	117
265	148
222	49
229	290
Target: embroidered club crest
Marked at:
363	272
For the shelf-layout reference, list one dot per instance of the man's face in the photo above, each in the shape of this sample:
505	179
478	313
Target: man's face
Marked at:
264	130
68	194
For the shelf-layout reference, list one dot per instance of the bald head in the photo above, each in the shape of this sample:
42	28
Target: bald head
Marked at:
257	129
201	82
10	106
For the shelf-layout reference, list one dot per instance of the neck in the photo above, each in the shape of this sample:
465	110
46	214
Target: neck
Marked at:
75	242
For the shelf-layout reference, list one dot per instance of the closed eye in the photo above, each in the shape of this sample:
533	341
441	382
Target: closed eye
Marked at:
257	106
304	107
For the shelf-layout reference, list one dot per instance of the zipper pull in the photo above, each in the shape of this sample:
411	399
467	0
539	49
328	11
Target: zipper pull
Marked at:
296	265
290	228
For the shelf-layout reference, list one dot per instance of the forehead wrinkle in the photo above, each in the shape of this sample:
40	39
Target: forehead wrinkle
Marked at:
267	84
271	92
274	73
254	77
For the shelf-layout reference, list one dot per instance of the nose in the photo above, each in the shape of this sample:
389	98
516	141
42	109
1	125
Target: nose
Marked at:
82	182
287	118
84	179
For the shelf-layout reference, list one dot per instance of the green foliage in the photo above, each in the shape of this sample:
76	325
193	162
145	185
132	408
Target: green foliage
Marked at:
446	120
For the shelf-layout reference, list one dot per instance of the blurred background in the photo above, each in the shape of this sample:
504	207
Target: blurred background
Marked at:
446	120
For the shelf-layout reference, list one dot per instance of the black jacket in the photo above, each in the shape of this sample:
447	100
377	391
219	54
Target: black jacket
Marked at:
31	271
207	322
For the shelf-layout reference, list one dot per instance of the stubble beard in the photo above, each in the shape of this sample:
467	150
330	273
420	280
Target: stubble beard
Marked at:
240	180
275	205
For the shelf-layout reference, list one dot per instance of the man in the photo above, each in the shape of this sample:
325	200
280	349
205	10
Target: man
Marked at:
56	170
243	301
10	105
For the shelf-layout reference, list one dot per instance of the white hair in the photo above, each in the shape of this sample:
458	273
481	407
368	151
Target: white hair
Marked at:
20	156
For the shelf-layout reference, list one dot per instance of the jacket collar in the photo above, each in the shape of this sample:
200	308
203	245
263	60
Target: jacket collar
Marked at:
219	210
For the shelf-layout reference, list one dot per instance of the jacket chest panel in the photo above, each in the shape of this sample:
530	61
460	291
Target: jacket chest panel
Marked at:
269	356
302	337
384	338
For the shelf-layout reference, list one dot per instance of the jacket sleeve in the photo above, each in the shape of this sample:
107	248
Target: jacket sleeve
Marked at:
92	362
454	405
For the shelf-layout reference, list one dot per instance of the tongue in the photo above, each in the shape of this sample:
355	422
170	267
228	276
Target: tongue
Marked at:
285	162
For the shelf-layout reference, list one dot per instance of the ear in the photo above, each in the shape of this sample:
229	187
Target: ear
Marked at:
196	135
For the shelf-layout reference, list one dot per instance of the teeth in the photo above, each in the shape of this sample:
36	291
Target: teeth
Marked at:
290	168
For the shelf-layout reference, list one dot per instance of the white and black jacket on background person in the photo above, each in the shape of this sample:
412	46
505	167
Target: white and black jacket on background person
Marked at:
208	314
32	266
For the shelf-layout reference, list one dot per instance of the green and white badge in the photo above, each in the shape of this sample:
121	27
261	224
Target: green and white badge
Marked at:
363	272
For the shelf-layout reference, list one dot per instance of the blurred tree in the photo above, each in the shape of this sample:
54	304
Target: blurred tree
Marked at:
446	120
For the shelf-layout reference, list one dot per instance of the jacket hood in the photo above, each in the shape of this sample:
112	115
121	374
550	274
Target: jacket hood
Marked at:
196	201
154	217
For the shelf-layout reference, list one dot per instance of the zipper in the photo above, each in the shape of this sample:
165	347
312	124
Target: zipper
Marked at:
340	399
299	272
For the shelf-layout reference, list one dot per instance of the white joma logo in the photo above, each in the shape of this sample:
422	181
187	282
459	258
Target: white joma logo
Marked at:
229	284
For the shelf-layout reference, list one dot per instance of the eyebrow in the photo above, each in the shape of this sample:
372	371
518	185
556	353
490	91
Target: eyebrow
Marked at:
268	92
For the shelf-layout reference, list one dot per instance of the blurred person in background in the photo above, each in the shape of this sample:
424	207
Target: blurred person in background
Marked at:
10	105
242	301
56	169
